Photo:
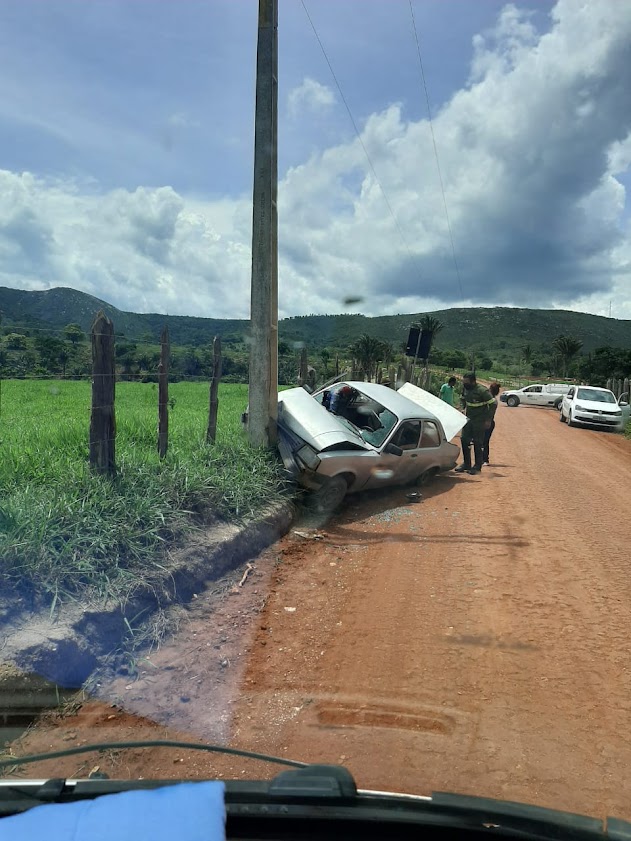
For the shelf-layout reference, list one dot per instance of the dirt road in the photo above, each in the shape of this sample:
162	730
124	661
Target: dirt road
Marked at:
477	641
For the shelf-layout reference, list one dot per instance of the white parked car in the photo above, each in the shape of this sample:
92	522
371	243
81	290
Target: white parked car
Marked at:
548	394
592	406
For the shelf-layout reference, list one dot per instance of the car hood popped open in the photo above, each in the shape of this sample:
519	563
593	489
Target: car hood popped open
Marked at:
451	419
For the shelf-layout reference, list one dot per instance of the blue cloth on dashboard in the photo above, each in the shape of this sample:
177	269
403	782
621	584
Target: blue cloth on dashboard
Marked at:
183	812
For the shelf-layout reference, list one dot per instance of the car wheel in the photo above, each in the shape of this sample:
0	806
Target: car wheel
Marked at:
570	422
512	401
330	495
557	405
426	476
561	417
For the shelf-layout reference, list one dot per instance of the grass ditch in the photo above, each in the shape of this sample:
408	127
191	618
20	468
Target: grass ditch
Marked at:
68	535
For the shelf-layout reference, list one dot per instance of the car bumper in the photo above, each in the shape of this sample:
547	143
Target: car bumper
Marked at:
604	421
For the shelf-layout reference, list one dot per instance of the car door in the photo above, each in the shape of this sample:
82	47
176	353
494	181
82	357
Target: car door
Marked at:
566	405
532	395
398	470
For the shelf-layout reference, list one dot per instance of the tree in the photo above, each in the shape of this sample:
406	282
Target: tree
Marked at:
325	356
527	354
49	350
567	348
433	326
368	351
16	341
64	358
74	333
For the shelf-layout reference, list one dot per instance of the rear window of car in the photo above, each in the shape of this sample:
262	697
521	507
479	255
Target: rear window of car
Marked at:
431	435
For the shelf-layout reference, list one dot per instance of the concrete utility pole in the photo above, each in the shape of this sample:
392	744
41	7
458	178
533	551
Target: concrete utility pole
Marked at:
263	391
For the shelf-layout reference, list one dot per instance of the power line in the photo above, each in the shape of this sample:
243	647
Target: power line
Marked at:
431	126
357	132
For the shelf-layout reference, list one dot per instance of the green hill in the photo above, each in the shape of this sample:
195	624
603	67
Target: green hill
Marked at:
498	330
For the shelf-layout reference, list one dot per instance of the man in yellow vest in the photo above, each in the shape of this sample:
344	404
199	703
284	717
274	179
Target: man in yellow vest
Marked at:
479	406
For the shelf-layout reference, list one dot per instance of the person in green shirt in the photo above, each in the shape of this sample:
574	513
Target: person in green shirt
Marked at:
479	406
447	391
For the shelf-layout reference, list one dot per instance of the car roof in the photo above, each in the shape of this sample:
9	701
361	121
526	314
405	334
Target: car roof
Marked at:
403	408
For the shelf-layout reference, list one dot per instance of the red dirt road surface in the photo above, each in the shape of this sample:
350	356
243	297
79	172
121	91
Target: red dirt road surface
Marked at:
476	642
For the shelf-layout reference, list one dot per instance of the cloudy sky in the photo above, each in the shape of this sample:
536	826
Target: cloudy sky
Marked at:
126	148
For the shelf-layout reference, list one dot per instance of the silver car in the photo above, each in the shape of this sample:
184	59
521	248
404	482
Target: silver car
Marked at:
356	436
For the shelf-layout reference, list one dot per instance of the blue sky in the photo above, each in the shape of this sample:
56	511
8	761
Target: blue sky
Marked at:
126	144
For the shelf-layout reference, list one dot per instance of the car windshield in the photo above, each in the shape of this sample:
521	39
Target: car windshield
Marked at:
226	225
388	421
595	395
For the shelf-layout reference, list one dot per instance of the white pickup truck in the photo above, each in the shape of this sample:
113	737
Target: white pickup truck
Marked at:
548	394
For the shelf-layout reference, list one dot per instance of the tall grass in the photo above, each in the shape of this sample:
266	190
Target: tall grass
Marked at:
65	532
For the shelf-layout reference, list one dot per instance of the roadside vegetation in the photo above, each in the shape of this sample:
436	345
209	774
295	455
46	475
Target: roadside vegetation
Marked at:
65	532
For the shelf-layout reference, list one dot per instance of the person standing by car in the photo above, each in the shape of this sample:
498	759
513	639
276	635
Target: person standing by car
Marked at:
447	391
479	406
494	389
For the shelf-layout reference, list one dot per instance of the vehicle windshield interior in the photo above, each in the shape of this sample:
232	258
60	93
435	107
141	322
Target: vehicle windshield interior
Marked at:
595	395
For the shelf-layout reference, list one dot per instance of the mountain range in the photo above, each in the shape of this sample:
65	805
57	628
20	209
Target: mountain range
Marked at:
490	329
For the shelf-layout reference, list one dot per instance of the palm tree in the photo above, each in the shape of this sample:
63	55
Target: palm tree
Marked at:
325	356
367	351
433	326
567	347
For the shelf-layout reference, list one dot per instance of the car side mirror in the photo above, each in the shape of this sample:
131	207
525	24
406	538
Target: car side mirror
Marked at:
393	450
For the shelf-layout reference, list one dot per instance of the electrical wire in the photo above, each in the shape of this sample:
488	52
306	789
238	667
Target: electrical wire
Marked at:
357	132
431	127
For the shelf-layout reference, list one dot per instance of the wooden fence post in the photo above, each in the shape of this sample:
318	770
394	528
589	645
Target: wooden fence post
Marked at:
304	367
102	417
163	393
211	432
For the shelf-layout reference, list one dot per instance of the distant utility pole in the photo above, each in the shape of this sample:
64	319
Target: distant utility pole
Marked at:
263	391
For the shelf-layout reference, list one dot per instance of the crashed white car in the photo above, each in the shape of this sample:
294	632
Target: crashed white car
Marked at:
356	436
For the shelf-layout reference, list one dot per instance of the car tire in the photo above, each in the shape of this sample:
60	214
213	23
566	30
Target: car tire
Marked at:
561	417
512	401
426	477
557	405
330	495
570	422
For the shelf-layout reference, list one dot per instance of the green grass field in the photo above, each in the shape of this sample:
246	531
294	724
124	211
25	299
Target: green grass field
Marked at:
65	532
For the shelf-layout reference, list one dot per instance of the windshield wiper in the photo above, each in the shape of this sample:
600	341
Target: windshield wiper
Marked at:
156	743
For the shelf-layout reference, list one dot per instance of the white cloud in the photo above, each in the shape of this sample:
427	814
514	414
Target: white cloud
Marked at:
533	152
182	120
309	96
